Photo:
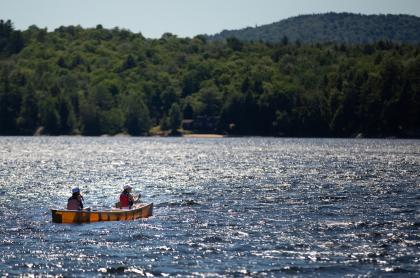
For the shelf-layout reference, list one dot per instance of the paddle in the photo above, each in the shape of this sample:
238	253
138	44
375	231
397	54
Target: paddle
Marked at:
138	199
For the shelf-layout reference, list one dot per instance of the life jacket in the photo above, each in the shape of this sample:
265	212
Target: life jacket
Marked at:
125	200
74	204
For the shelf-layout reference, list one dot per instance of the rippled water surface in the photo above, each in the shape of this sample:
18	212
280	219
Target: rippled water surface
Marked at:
223	207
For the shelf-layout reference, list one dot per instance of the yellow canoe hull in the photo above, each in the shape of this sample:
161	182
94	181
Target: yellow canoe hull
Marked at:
81	216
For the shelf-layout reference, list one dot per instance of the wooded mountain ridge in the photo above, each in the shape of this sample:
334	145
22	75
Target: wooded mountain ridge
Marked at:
333	27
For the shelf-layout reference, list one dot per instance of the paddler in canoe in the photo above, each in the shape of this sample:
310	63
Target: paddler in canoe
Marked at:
75	202
126	198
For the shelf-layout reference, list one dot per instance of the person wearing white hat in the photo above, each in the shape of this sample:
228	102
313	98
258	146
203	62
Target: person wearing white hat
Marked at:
126	199
75	202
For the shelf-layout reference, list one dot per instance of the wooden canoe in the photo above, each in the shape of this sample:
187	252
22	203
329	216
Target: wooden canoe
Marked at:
115	214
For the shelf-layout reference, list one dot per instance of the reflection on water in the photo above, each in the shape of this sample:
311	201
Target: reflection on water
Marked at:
233	206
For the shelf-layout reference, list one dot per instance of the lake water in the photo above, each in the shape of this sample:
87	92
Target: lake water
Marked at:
223	207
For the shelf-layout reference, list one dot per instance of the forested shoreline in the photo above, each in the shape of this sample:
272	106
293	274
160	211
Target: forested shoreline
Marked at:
99	81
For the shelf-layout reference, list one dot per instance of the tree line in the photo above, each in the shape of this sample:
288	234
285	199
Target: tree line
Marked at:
333	27
98	81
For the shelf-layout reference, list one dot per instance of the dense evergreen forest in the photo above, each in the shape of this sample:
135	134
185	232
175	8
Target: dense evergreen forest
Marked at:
333	27
98	81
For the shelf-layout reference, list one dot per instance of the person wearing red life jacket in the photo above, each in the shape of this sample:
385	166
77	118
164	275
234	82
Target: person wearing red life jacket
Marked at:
126	199
75	202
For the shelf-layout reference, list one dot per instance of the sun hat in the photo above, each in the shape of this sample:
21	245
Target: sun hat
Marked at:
75	190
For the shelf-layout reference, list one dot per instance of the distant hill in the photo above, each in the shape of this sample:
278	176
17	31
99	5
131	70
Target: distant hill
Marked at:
333	27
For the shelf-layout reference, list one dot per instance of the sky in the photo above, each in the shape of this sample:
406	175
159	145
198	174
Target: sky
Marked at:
184	18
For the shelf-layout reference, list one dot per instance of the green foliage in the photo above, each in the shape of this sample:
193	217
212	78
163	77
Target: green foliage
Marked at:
137	119
11	41
175	117
98	81
234	44
331	27
28	117
50	116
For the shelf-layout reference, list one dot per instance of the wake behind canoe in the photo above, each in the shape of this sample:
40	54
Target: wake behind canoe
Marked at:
84	216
